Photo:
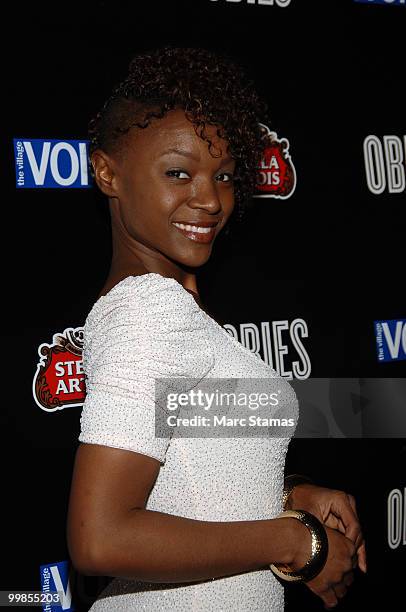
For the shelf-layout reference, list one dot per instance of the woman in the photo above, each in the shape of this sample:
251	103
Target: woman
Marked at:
185	523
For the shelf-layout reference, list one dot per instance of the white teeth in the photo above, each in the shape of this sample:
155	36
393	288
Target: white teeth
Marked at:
194	228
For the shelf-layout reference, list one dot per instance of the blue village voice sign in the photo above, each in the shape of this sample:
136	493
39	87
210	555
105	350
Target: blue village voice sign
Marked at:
54	577
51	163
390	336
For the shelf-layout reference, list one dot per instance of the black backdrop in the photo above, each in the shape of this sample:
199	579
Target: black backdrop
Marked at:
330	254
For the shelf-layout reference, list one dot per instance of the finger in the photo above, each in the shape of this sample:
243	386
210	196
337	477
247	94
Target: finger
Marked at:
348	579
334	522
330	599
362	553
362	558
342	508
340	590
359	541
353	503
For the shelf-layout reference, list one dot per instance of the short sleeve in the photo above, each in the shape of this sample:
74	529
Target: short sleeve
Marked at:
146	327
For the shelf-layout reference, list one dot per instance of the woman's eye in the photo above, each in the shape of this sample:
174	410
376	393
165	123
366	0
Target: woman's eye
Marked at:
229	177
175	172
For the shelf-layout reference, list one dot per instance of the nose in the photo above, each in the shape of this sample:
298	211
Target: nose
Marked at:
206	197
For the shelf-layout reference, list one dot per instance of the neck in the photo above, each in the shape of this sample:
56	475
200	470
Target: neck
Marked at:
134	258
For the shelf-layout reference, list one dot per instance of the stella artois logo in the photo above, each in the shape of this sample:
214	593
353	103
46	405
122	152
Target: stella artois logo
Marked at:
59	380
276	173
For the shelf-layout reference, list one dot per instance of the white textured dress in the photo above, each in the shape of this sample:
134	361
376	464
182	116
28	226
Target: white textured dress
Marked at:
147	327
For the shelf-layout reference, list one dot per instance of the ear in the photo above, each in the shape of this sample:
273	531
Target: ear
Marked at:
104	172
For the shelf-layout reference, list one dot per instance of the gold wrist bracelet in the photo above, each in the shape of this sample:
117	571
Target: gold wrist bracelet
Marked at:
319	549
290	483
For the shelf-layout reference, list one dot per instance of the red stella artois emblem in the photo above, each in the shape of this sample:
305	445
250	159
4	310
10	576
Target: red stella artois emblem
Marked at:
59	380
276	173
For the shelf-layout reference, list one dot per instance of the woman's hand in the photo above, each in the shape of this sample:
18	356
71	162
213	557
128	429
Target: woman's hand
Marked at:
335	509
331	584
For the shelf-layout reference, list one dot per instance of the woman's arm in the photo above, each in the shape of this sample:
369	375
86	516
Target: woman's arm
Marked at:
111	533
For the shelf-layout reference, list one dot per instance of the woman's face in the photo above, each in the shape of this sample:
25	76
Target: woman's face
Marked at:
166	176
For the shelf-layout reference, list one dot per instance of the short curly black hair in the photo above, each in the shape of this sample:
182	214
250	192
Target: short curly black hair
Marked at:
209	86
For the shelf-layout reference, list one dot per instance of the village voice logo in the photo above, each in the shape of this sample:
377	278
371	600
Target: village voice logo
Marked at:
51	163
391	339
59	380
276	174
56	577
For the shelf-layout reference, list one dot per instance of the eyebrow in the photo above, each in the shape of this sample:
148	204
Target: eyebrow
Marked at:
191	155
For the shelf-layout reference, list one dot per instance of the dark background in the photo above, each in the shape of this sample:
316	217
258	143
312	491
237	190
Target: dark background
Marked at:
333	73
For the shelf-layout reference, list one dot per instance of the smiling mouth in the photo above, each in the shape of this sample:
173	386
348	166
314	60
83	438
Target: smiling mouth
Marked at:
203	233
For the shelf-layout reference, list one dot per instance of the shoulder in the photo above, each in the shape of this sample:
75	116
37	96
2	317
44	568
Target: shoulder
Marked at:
148	316
151	297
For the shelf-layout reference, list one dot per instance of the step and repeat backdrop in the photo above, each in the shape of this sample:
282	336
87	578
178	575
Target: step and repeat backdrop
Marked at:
313	280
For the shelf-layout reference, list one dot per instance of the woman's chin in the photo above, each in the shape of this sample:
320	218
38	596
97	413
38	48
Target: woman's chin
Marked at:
195	260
